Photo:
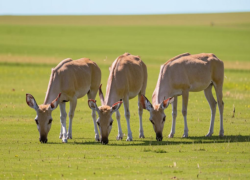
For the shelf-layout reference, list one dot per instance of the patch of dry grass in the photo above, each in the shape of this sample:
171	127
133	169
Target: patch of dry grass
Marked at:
236	65
127	20
9	58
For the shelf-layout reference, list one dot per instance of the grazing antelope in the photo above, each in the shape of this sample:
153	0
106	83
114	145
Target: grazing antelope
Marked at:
69	81
127	79
179	76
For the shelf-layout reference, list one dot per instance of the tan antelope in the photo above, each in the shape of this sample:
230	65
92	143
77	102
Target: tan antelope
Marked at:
69	81
179	76
127	79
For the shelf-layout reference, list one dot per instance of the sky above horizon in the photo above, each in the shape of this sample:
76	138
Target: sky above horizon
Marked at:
116	7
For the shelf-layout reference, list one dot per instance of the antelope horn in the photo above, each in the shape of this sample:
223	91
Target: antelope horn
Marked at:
101	95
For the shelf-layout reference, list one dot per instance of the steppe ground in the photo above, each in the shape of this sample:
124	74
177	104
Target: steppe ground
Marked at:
31	45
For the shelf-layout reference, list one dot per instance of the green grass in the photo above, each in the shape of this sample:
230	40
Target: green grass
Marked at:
153	43
197	157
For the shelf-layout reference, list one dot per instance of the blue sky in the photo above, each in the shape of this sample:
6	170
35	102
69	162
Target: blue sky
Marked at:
118	7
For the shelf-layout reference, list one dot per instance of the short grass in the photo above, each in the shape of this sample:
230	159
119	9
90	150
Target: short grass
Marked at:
28	52
154	43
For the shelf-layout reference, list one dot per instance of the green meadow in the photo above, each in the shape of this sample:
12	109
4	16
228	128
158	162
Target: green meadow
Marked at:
31	45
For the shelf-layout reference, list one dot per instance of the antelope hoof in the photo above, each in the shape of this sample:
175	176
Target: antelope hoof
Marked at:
60	136
97	138
69	136
185	135
209	135
129	139
141	136
170	135
118	138
221	134
64	140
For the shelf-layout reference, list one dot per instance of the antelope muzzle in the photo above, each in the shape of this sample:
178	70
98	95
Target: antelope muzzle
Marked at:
43	139
159	136
104	140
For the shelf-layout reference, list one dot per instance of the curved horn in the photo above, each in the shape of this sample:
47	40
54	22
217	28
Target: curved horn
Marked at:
101	94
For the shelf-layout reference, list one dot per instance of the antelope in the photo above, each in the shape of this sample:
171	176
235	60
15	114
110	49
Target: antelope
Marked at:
69	81
180	75
127	79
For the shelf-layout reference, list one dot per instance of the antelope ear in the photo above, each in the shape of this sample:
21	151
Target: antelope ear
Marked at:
30	100
166	102
55	103
92	104
116	106
146	104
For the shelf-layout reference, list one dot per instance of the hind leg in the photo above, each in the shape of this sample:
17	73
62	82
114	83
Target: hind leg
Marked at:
219	95
92	95
174	115
185	95
212	104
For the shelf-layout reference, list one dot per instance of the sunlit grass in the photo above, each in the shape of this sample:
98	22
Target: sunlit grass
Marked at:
27	54
24	157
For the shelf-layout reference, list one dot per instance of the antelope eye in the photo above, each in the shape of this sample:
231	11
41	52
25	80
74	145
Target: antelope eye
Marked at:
50	121
111	123
151	121
98	123
36	121
164	118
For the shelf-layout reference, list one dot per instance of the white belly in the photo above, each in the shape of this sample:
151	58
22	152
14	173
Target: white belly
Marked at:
133	94
198	86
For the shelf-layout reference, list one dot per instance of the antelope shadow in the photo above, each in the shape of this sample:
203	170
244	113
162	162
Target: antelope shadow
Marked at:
166	141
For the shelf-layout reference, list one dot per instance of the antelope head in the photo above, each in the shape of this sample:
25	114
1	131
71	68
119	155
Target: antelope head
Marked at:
157	115
43	117
105	112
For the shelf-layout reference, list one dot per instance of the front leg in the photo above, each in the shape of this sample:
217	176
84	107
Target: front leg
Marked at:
174	115
63	116
127	116
140	111
95	125
120	135
73	103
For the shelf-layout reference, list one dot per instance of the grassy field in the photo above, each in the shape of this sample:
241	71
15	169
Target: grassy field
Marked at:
31	46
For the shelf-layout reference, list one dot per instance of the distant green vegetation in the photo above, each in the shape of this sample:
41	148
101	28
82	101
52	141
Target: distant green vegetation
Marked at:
31	46
155	43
